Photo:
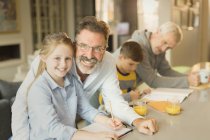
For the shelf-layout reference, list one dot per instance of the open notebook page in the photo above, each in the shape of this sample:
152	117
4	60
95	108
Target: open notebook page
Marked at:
96	127
165	94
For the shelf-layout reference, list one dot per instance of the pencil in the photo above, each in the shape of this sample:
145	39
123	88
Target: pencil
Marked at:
111	111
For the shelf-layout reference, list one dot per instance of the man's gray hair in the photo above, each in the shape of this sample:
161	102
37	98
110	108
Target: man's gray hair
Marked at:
170	27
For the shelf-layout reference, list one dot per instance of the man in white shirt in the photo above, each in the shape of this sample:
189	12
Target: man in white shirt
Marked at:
96	70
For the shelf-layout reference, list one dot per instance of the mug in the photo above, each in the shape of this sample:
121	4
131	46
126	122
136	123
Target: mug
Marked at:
204	76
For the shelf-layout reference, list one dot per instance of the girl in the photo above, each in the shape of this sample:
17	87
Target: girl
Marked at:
56	96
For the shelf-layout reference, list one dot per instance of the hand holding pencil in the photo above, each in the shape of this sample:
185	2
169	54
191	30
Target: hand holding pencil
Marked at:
114	122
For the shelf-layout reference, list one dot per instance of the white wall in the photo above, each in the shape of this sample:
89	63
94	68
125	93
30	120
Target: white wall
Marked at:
24	34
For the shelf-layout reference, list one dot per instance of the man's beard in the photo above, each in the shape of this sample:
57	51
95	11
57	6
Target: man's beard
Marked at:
85	69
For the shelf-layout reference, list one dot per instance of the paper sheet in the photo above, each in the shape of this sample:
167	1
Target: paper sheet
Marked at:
96	127
166	94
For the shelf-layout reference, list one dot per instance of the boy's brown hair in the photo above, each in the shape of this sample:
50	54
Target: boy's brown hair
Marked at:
132	50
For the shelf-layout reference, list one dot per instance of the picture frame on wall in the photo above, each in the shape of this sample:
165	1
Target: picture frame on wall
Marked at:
8	16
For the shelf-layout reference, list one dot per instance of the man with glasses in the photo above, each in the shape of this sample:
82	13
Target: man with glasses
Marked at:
96	71
155	70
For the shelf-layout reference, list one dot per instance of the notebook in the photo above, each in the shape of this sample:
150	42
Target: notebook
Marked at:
97	127
166	94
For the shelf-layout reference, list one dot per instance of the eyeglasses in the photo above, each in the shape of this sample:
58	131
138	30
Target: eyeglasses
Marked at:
85	47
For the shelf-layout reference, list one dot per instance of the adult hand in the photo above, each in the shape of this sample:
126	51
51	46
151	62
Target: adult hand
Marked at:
194	79
114	123
146	126
111	122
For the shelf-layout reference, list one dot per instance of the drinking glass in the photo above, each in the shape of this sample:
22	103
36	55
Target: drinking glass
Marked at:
140	107
173	107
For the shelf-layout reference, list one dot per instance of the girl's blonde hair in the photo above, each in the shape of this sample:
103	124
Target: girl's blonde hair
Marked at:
49	44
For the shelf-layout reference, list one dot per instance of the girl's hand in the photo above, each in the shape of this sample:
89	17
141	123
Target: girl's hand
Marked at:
105	136
83	135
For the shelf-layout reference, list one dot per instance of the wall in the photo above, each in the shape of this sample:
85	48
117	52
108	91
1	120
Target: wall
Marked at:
129	14
25	34
165	5
76	10
188	52
194	47
209	30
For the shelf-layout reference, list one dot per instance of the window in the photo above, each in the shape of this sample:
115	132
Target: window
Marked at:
48	16
148	14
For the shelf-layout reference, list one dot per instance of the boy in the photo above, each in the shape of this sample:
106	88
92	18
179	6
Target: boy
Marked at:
130	56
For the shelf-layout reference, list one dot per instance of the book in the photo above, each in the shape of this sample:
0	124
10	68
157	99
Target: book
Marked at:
167	94
97	127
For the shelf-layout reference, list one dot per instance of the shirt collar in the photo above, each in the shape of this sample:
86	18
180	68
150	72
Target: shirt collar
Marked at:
53	85
73	70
